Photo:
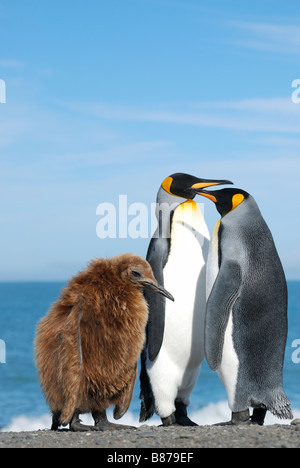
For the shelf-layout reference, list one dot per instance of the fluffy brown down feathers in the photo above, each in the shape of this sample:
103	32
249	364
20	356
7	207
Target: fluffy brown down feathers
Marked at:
88	344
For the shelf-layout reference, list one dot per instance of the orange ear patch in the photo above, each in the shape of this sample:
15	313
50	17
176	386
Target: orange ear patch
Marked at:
237	200
166	185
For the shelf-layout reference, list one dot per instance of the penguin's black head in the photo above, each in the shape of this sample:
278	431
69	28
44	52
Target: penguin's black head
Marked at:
226	199
186	186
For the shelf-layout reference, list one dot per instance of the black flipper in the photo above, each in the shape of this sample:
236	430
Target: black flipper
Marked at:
224	294
146	394
157	256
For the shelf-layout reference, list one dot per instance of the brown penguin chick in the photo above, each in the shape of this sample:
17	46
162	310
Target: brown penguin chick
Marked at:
88	345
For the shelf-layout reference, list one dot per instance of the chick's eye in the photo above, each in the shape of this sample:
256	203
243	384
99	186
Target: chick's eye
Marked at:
136	274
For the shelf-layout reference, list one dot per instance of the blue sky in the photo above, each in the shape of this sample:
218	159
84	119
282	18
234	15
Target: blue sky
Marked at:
108	97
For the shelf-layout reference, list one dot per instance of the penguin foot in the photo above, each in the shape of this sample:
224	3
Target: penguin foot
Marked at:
181	415
55	421
258	416
102	423
237	419
76	426
169	420
109	426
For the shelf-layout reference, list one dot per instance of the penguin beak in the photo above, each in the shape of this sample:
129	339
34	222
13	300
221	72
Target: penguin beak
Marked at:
148	284
209	183
209	195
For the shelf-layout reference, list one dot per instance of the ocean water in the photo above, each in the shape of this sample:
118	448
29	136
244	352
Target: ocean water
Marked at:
22	404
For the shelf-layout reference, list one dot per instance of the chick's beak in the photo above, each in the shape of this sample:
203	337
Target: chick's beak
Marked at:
148	284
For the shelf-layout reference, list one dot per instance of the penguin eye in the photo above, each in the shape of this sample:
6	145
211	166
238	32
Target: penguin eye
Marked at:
136	273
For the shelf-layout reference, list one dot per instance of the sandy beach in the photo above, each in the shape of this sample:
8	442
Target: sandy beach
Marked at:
274	436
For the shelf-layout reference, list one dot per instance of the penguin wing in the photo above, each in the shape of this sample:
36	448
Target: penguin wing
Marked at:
126	396
157	256
71	362
222	298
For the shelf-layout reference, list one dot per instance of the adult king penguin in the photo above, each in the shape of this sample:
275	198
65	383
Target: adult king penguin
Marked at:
246	314
171	360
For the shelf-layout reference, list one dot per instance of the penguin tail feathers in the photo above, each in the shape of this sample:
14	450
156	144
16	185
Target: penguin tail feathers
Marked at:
280	406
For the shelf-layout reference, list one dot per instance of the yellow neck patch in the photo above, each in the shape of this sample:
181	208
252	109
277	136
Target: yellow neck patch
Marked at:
190	205
166	185
237	200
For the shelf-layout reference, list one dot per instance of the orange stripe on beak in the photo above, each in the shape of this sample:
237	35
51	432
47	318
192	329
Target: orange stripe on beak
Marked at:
202	185
208	195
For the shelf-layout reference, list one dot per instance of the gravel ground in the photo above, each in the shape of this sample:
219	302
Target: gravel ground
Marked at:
275	436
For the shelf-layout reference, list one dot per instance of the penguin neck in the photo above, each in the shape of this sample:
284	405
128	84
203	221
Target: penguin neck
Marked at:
242	205
166	204
183	213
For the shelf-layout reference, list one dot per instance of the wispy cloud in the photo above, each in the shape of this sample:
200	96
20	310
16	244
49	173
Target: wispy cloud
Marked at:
278	105
125	153
254	115
278	38
11	63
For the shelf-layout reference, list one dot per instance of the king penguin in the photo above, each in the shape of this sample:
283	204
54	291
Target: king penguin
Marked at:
246	313
174	351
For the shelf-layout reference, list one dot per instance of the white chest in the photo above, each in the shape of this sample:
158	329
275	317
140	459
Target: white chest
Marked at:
184	277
